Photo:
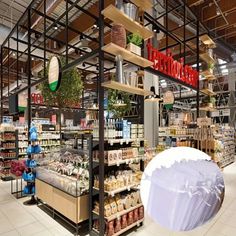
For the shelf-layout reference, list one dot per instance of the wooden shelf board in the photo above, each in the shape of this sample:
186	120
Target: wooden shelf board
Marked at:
120	213
127	55
119	190
207	58
207	109
126	88
207	41
208	75
137	223
143	4
117	16
208	92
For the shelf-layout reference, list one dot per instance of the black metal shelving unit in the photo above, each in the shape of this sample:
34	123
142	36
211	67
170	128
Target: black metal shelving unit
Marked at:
15	149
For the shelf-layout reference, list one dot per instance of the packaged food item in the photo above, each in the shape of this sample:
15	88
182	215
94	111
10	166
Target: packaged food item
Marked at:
124	221
117	225
130	218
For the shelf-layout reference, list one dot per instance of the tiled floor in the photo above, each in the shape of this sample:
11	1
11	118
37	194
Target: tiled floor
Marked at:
18	219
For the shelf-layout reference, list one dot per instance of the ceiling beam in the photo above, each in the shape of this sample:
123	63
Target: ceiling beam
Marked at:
210	12
219	23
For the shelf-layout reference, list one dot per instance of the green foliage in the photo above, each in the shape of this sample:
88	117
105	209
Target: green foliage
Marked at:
135	39
211	66
118	112
69	92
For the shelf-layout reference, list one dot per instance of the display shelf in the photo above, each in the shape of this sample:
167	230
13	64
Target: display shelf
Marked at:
143	4
125	161
208	92
119	190
207	58
208	75
207	41
7	140
120	141
207	109
119	214
8	158
117	16
115	50
137	223
2	148
126	88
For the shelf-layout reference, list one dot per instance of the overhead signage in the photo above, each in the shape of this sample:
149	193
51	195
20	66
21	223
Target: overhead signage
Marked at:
167	65
168	99
22	102
54	74
203	122
223	112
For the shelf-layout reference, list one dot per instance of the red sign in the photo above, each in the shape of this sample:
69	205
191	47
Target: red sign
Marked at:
37	98
167	65
54	119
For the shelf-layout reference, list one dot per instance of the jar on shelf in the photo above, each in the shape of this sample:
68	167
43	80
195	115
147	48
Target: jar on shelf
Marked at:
118	35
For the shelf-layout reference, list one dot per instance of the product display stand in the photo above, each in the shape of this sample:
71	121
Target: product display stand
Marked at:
30	175
9	152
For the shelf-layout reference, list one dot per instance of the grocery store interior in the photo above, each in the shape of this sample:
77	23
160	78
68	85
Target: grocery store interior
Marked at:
91	91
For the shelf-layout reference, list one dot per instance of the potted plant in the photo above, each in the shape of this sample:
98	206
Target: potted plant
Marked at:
211	67
212	102
134	43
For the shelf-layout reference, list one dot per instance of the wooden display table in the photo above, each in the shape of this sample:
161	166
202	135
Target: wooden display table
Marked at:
73	208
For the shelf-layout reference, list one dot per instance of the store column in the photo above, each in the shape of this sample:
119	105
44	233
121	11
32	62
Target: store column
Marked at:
151	111
232	97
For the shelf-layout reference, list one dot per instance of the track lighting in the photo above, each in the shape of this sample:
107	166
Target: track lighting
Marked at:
56	27
153	97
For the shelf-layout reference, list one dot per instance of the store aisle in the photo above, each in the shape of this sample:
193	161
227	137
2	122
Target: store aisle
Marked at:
17	219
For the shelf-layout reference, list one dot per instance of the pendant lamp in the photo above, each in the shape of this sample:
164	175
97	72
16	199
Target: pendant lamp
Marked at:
153	97
119	102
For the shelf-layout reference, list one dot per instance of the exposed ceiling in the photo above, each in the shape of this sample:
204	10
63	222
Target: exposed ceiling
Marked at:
219	17
11	11
216	15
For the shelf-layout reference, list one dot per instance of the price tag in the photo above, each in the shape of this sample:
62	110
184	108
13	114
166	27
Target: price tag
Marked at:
127	162
111	142
118	163
121	142
138	224
128	188
112	194
127	141
118	217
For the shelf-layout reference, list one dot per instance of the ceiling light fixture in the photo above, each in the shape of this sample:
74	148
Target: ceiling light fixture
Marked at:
56	27
119	102
218	12
153	97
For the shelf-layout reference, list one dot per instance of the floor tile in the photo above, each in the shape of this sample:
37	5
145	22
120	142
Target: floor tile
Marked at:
11	233
31	229
5	226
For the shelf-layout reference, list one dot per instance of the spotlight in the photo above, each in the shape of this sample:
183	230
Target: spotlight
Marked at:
95	26
153	97
13	54
83	64
32	58
56	27
155	29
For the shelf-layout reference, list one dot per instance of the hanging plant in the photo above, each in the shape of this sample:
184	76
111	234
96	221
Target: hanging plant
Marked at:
69	92
118	111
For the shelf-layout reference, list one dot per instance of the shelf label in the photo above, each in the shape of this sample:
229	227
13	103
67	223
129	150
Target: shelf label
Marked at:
128	188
